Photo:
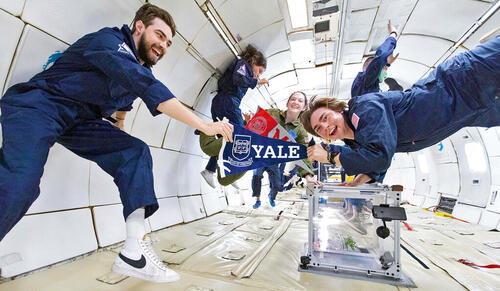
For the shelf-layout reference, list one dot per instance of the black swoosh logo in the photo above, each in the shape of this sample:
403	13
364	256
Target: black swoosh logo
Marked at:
139	264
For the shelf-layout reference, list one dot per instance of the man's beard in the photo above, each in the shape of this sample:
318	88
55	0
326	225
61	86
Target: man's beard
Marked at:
142	51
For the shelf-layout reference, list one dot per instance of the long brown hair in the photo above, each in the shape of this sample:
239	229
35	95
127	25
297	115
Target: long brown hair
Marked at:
330	103
148	12
254	57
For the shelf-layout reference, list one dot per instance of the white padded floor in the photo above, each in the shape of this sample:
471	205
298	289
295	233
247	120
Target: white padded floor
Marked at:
242	231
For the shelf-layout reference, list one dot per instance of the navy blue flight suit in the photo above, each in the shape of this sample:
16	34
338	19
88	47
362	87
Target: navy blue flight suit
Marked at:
367	81
233	85
460	92
96	76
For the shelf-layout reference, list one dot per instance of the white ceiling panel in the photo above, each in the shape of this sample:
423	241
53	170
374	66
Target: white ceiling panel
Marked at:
315	78
351	70
166	65
422	49
175	135
187	26
187	78
92	15
492	23
406	71
149	129
364	4
345	88
397	11
210	45
359	24
244	17
13	6
191	144
33	52
269	40
204	102
10	30
448	19
353	52
278	63
165	165
282	81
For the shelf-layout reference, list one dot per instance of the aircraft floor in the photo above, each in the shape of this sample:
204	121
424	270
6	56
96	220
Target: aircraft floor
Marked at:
221	250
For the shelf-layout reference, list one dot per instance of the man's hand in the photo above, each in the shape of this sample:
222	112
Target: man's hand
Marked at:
317	153
220	127
311	180
359	180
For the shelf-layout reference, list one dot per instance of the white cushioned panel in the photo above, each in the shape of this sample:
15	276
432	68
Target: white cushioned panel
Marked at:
48	238
209	44
187	26
244	17
408	72
109	224
223	202
359	24
489	219
13	6
168	214
186	79
64	183
10	30
165	163
191	208
149	129
32	54
204	102
102	188
188	174
130	117
211	203
191	143
92	15
489	25
448	19
175	135
164	67
448	179
491	140
269	40
469	213
422	49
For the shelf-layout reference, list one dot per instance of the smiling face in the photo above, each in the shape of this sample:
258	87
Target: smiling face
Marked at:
152	41
296	103
329	124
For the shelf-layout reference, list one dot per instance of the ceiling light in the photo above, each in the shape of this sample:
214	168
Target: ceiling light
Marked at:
297	9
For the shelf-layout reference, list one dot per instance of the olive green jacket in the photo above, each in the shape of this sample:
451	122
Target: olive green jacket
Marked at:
297	127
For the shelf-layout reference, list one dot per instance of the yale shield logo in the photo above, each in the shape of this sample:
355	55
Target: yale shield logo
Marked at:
241	146
258	125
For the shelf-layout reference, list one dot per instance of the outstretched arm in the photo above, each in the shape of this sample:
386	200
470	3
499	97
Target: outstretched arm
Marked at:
173	108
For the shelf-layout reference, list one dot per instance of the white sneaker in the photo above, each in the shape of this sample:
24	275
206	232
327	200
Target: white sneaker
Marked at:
209	177
143	263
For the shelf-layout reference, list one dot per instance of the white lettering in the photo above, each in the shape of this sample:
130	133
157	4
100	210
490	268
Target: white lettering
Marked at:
258	149
293	152
280	154
269	152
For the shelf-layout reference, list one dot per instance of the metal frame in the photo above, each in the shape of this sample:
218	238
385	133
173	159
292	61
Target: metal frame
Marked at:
321	264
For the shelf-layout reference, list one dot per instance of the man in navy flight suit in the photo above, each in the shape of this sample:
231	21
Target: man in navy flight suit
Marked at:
101	73
462	91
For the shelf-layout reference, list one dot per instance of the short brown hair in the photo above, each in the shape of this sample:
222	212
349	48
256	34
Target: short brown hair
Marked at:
148	12
330	103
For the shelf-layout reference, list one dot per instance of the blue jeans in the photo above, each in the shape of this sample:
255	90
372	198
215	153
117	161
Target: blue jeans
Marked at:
275	180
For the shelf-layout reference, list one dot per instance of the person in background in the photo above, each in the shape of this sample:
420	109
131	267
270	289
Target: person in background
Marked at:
101	73
290	121
242	73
